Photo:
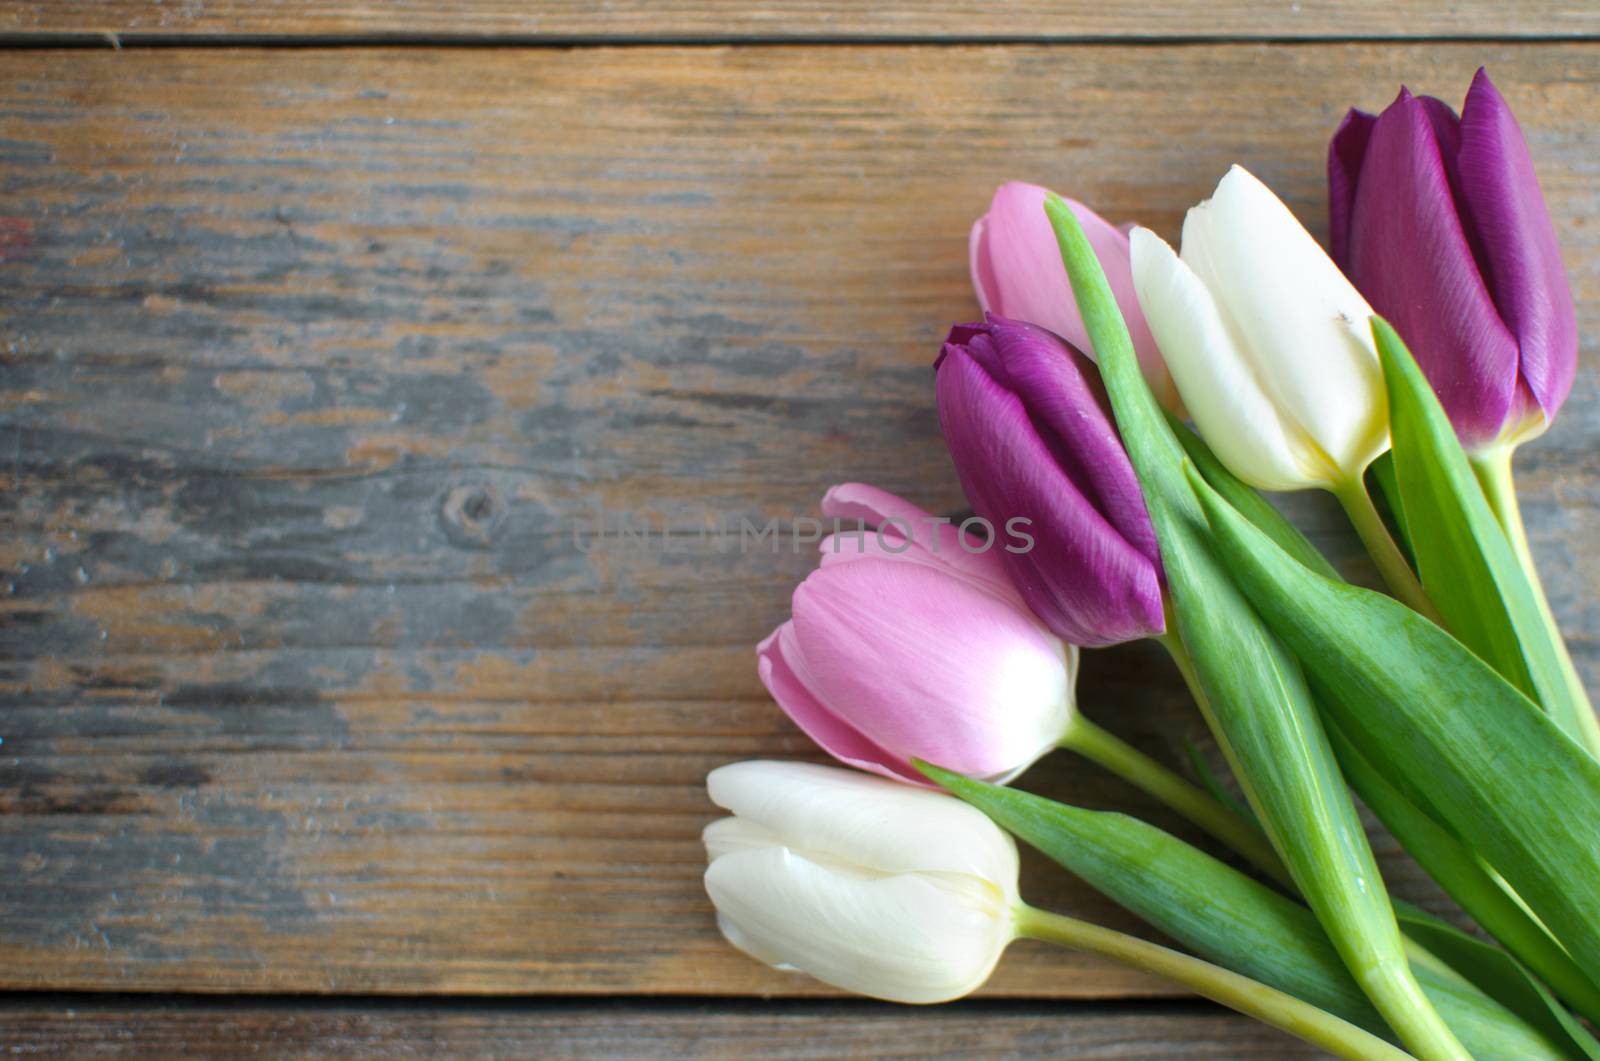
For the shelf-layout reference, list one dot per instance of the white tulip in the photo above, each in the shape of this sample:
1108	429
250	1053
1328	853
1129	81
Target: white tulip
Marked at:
879	888
1269	344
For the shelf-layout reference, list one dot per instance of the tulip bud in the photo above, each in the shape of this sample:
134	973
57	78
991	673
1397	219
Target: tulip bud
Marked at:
881	889
1269	344
1030	430
909	642
1440	222
1017	273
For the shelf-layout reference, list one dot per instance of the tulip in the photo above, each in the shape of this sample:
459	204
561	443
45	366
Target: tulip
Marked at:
1029	428
1017	273
911	896
1268	342
1272	350
881	889
910	642
1439	220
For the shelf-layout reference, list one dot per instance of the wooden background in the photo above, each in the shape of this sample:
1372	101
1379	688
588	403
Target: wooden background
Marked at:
327	325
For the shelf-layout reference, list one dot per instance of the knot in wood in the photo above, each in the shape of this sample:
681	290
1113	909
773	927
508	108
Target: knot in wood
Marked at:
473	514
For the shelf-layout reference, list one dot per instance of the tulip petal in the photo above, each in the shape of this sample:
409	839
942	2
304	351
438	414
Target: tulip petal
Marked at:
782	667
1017	272
983	279
848	817
759	949
1021	266
904	938
1409	251
934	541
1346	151
1091	582
1520	256
883	543
1218	386
985	695
727	835
1062	393
1301	325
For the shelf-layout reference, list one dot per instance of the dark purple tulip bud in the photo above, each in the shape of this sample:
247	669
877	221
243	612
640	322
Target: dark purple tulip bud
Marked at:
1439	221
1030	430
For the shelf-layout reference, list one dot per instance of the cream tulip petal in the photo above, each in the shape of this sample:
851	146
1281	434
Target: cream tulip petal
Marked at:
726	835
1218	387
757	949
849	817
905	938
1303	326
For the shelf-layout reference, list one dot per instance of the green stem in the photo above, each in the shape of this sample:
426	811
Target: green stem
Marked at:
1392	565
1393	988
1249	997
1138	769
1493	469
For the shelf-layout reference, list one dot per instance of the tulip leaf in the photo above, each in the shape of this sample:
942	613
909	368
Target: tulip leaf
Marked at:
1248	501
1381	474
1228	918
1454	867
1213	784
1503	778
1458	870
1251	688
1498	975
1465	560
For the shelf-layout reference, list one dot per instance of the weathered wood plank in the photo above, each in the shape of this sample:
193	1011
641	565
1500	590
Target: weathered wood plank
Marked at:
631	1029
806	19
313	360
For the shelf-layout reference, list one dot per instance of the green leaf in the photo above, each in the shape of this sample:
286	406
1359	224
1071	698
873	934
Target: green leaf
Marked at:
1457	870
1248	501
1213	784
1463	555
1232	920
1415	701
1254	694
1498	975
1381	473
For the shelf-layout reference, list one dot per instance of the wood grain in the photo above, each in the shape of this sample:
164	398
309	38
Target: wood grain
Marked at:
625	1029
721	20
315	358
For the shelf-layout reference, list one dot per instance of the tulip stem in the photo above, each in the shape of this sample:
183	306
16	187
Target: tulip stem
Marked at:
1138	769
1249	997
1392	563
1493	470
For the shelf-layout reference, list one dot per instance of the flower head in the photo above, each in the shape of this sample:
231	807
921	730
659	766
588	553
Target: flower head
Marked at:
1440	222
881	889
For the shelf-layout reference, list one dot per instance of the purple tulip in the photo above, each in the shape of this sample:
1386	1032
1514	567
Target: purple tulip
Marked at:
1030	430
910	642
1440	222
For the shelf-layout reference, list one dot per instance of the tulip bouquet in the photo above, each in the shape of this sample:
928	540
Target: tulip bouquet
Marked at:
1399	375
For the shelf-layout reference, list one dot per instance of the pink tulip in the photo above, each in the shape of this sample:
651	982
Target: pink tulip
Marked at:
1017	273
910	642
